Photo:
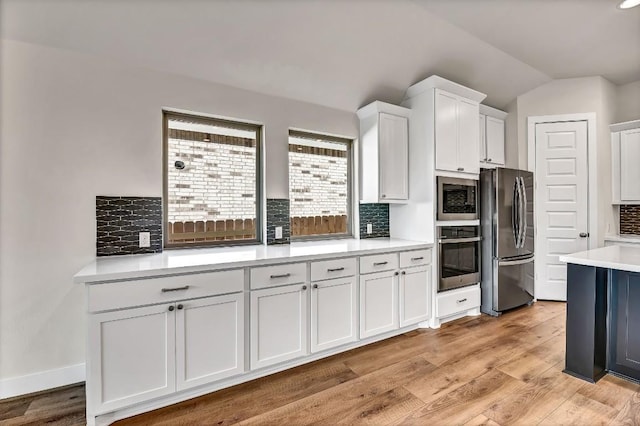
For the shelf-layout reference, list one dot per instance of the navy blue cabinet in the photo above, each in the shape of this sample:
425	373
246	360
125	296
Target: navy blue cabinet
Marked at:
624	333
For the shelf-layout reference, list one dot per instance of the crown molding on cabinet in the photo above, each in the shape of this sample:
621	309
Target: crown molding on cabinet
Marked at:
437	82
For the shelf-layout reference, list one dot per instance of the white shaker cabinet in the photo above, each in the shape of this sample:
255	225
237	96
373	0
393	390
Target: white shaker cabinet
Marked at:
630	165
625	157
132	356
209	339
456	133
492	137
279	324
415	295
384	138
334	313
378	303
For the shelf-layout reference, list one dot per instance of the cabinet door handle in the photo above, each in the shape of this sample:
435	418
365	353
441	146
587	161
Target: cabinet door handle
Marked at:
383	196
167	290
281	275
396	273
461	169
171	308
335	269
584	234
379	263
315	286
489	159
417	258
404	272
304	287
180	307
462	300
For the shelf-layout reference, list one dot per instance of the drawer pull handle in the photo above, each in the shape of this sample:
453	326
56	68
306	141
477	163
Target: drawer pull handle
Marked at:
379	263
304	287
462	300
180	306
167	290
281	275
335	269
315	286
171	308
417	258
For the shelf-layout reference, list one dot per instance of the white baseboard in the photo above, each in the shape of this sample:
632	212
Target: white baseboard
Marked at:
44	380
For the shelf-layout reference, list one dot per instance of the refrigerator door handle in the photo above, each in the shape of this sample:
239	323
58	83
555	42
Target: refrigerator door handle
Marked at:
524	212
515	262
514	212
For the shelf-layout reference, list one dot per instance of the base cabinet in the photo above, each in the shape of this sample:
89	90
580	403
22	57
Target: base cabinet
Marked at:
278	324
209	340
132	355
415	295
625	322
334	313
378	303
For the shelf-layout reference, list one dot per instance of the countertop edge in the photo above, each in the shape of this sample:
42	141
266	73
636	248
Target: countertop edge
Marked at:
90	279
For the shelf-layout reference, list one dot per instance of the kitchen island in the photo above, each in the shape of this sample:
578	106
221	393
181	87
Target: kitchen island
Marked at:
603	313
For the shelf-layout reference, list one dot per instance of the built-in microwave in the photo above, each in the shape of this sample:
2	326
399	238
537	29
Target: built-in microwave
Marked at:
457	199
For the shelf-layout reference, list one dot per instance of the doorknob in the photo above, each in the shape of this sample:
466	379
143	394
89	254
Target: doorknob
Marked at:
584	234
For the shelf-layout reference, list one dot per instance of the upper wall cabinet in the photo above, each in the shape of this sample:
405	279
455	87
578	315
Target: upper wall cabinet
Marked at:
492	137
625	157
456	133
384	138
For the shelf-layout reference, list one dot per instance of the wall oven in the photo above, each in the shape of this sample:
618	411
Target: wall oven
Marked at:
457	199
459	256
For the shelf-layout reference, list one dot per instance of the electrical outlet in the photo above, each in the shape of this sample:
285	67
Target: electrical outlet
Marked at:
144	239
278	232
369	228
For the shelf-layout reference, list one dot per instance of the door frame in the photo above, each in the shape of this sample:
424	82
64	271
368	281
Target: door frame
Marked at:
592	180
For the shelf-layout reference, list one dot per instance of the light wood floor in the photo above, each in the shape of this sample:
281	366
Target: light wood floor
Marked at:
474	371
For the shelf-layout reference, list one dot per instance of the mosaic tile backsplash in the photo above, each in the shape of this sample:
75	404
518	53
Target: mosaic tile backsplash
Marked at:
630	219
278	215
119	220
377	214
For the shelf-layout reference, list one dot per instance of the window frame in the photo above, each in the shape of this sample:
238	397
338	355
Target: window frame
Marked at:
350	143
205	119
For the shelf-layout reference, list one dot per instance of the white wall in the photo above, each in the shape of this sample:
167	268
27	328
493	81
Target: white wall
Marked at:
569	96
628	102
73	127
511	141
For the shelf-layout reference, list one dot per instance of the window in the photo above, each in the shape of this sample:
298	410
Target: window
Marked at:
211	186
319	185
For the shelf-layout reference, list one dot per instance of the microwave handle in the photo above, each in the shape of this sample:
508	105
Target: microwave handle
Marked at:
458	240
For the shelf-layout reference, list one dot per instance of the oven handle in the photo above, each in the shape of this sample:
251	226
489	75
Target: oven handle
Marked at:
458	240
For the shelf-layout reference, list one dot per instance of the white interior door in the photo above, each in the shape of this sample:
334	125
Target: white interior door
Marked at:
562	177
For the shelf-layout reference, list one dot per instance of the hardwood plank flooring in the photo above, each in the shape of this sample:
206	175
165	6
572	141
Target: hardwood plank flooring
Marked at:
473	371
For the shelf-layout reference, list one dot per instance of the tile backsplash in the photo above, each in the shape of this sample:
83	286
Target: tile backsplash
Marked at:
377	214
630	219
119	220
278	215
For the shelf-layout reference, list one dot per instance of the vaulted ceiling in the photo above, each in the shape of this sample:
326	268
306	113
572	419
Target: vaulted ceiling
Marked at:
345	53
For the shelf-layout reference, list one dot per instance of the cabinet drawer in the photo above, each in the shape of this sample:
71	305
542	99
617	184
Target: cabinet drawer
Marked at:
124	294
335	268
415	258
378	263
271	276
455	301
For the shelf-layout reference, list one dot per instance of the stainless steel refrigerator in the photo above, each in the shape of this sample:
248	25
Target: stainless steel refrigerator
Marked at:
506	219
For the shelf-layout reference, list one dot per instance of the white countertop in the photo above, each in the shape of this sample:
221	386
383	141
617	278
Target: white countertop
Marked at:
624	258
623	238
179	261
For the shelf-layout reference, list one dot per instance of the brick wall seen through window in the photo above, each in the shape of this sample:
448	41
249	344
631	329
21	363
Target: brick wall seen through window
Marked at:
211	183
319	184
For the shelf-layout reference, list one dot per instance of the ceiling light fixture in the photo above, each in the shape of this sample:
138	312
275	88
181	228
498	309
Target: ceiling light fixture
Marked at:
628	4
